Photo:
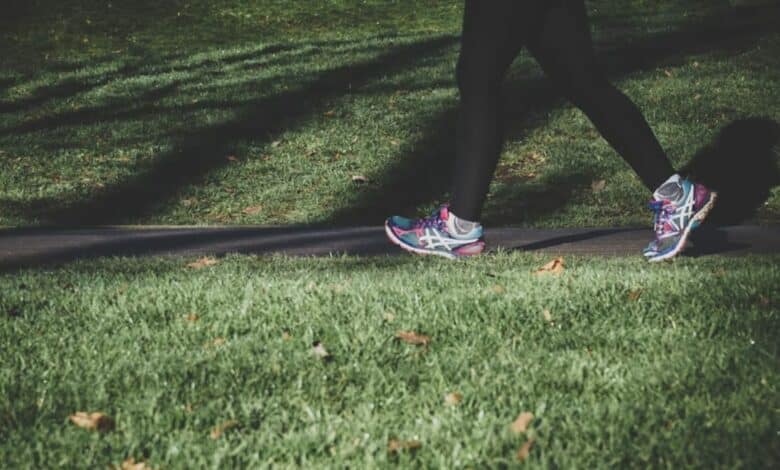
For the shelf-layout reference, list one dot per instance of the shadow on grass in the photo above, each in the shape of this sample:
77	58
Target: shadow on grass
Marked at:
742	166
424	174
204	150
419	177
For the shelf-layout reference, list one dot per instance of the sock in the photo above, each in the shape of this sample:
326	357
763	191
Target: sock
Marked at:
459	227
671	190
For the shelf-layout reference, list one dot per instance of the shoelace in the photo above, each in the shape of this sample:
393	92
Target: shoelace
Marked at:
432	221
663	212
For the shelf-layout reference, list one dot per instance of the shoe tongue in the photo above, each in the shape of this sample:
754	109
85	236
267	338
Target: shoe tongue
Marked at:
444	213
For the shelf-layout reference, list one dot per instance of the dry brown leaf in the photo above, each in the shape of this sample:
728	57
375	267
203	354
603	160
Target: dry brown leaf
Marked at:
131	464
598	185
253	210
360	179
192	318
453	398
525	450
231	158
395	445
498	289
96	421
203	262
634	295
520	424
555	266
214	343
220	429
318	349
410	337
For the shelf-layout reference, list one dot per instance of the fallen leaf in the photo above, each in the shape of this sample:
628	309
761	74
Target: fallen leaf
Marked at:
192	318
410	337
96	421
453	398
359	179
525	450
389	317
668	73
598	185
318	349
231	158
395	445
634	295
330	113
220	429
553	267
498	289
203	262
548	317
520	424
131	464
214	343
252	210
286	336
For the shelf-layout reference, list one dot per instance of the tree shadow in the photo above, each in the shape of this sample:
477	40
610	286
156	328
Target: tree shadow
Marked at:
741	165
203	150
420	177
423	175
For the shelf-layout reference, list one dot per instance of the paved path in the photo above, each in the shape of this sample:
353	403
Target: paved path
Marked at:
29	247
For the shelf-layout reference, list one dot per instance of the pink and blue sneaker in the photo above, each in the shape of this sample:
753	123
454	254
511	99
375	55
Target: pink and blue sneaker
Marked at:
434	235
680	206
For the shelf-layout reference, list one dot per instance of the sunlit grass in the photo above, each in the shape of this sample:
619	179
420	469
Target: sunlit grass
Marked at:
304	112
634	364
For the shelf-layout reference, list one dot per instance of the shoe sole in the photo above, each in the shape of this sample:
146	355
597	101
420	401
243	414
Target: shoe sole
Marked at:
418	251
699	217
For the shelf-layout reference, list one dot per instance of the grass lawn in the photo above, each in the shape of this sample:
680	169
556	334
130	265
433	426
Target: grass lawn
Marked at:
635	365
262	112
239	112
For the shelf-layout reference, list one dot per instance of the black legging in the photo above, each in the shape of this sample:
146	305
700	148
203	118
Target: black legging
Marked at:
557	34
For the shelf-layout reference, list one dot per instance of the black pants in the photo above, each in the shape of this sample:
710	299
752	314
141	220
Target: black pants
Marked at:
557	34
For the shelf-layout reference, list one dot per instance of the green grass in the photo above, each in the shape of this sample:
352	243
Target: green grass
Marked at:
685	375
128	114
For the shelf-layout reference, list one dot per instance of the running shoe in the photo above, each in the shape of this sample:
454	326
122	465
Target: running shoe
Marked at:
680	206
432	236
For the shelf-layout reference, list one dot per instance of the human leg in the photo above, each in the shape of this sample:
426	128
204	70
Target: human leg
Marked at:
562	45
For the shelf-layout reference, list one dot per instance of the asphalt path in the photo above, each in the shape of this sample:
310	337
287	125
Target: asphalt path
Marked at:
27	247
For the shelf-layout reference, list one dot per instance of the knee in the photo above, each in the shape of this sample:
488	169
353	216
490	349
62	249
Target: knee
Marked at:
586	89
476	78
